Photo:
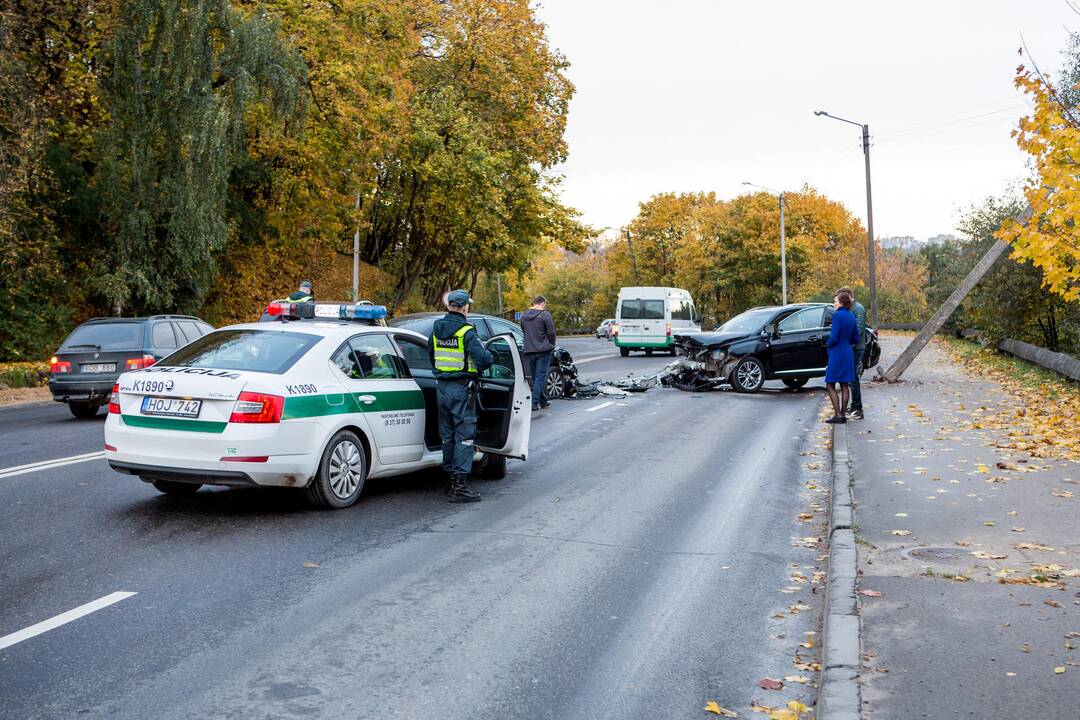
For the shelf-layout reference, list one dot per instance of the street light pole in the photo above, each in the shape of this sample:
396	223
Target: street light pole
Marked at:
783	240
633	261
356	254
783	254
870	227
869	212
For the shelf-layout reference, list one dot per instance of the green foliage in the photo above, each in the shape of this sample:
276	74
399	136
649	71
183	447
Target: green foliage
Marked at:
23	374
1011	300
183	73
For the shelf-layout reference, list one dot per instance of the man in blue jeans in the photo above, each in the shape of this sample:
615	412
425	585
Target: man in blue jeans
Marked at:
539	332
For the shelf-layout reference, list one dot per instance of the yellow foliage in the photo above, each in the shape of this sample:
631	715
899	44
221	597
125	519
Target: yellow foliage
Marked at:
1049	239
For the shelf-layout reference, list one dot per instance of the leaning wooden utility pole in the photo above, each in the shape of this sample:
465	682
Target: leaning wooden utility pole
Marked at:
934	324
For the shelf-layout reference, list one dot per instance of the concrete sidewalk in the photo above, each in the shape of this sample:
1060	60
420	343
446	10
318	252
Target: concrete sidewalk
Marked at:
968	549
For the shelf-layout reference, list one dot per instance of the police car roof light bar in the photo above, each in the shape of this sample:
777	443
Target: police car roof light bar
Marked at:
365	312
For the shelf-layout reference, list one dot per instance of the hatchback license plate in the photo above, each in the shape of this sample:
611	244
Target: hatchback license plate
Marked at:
173	407
98	367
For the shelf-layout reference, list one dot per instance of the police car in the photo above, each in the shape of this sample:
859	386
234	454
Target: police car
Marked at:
324	398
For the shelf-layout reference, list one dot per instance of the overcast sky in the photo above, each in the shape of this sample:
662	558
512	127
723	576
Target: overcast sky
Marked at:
689	95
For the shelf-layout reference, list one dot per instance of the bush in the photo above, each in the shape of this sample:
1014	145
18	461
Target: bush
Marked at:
23	374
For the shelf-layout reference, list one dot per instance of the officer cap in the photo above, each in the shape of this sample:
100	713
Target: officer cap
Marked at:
458	298
307	284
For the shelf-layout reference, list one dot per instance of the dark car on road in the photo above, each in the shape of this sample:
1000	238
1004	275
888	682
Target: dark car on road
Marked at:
784	343
563	373
85	368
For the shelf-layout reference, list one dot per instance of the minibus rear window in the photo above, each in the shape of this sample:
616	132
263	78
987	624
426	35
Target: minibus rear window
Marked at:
642	310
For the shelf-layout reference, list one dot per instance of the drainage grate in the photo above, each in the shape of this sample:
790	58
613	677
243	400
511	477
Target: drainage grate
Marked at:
943	555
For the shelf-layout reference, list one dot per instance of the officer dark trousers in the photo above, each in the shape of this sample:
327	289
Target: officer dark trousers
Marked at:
457	428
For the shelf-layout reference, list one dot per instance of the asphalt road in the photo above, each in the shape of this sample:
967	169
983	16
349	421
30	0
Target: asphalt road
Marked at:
629	569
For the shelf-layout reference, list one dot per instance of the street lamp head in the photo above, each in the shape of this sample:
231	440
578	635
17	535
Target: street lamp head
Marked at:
747	182
820	112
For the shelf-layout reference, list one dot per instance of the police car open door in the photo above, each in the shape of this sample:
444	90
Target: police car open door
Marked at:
504	402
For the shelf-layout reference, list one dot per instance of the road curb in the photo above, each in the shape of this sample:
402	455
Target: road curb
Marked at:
838	695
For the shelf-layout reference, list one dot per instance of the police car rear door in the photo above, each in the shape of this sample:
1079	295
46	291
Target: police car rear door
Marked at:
504	402
381	387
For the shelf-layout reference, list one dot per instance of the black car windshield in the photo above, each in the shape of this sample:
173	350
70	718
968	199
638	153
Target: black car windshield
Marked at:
265	351
106	336
422	325
750	321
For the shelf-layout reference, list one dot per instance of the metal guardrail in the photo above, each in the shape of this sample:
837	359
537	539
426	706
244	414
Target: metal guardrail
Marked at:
1062	364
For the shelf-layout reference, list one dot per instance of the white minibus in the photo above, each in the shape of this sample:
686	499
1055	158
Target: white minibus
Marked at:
649	318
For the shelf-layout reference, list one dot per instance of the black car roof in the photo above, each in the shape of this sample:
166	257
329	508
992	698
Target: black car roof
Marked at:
99	320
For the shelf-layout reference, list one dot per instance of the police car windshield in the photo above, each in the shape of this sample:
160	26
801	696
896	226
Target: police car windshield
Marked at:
253	350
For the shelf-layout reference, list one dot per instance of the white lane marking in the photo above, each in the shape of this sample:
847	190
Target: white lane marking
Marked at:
593	358
49	464
601	406
63	619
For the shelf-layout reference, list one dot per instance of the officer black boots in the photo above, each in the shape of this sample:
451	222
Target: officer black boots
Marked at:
459	490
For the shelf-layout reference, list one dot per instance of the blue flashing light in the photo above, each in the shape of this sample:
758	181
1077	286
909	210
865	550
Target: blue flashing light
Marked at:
363	312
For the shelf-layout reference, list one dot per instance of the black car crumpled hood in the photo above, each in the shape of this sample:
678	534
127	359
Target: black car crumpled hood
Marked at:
712	340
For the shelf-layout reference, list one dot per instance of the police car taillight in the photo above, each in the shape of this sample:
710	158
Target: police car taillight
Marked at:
56	365
669	329
615	329
114	400
139	363
254	407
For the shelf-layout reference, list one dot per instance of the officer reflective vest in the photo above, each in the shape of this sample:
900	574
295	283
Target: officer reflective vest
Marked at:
450	354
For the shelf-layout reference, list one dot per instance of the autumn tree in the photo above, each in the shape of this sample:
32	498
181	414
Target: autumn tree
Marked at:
184	73
1051	136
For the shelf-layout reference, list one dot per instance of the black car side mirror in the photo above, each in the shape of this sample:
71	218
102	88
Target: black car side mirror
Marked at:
770	330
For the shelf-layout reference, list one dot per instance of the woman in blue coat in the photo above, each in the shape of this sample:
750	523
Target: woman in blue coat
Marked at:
841	368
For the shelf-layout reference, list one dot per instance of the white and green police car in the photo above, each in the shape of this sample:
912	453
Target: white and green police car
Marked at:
323	397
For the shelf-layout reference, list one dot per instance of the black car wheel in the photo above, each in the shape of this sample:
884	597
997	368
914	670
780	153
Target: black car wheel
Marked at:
176	489
492	467
83	411
553	384
795	383
749	375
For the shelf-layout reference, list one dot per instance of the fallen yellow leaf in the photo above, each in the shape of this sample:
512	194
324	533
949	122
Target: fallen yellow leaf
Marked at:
715	709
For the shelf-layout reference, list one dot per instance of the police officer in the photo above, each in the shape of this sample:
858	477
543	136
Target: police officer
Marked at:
305	293
458	356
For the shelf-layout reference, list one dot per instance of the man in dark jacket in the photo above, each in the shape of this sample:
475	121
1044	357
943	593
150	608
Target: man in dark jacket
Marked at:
458	357
539	342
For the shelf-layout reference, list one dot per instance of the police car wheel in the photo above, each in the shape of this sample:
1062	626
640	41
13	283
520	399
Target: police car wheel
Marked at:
625	352
341	474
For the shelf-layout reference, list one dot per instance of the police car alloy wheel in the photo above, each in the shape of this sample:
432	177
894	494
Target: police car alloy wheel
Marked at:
341	474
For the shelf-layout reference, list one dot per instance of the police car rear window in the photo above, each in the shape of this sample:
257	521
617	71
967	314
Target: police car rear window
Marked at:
253	350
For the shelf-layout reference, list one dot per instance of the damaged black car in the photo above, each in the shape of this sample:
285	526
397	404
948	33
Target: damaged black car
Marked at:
785	343
562	375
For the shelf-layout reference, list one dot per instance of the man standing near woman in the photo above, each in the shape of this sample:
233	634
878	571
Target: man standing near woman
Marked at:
539	331
859	312
840	371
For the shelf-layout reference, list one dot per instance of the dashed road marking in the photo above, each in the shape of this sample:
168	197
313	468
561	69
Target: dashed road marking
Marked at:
50	464
601	406
593	358
63	619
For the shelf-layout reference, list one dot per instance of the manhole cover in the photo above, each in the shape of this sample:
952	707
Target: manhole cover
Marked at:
948	556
